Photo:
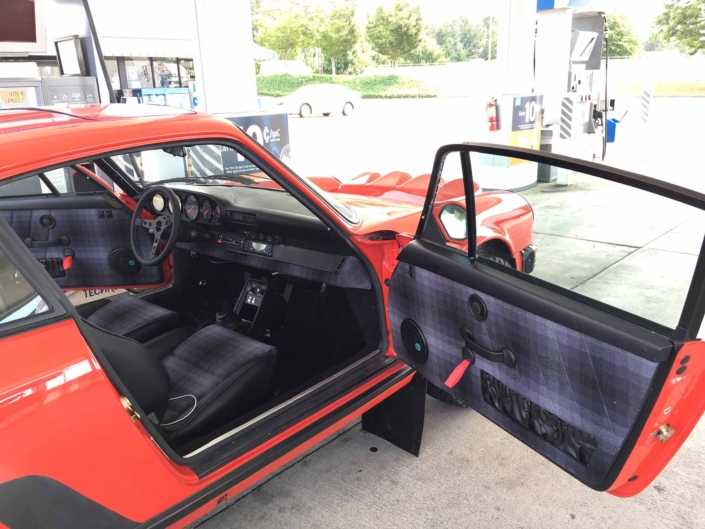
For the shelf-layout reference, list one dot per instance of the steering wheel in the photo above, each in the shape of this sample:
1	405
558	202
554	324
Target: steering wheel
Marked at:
156	227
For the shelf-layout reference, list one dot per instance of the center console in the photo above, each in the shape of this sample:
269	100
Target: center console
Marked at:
250	301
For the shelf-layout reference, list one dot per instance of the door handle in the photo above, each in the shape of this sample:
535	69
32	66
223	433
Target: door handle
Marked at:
472	348
61	241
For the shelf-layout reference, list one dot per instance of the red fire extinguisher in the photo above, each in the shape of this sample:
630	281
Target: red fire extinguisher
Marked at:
491	110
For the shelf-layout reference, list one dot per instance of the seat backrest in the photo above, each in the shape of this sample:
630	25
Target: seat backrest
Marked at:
139	369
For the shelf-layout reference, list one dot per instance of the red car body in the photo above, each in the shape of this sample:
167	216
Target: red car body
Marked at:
62	419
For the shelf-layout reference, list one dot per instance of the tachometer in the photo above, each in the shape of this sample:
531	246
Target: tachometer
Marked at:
216	213
191	207
207	210
158	203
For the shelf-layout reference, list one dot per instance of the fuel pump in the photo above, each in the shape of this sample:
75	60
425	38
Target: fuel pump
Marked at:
568	71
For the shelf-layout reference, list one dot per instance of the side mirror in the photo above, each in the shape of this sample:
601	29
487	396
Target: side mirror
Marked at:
455	221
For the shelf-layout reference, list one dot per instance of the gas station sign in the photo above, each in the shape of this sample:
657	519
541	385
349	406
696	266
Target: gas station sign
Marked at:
526	123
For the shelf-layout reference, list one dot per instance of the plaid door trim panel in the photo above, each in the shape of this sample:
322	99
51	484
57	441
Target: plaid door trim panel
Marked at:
595	386
92	239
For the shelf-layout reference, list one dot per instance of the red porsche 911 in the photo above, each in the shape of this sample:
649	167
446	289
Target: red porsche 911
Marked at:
181	315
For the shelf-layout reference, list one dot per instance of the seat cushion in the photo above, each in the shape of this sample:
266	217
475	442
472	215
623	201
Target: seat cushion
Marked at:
219	368
134	318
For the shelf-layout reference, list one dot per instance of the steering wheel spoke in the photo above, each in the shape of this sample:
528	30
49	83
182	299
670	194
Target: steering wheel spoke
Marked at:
155	245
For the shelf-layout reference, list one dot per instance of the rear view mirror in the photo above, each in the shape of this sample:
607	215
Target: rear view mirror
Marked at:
176	151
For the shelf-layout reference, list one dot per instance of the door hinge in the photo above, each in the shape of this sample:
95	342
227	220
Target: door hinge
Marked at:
128	408
664	433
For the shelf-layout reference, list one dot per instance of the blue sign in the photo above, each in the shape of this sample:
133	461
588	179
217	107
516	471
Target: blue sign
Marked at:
270	130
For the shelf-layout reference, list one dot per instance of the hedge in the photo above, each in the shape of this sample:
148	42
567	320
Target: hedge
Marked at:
371	87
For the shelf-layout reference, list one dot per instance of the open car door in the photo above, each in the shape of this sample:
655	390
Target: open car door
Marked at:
591	360
77	224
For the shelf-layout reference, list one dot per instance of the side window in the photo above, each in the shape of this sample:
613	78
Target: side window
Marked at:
18	299
613	243
56	182
449	223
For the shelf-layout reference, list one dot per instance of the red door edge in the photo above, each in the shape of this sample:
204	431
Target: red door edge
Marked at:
679	406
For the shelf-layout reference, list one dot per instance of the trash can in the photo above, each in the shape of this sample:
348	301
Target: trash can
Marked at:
612	129
546	173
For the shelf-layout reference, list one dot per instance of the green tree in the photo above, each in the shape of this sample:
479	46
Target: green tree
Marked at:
623	39
683	22
338	33
395	33
656	42
286	34
461	40
486	28
255	6
429	52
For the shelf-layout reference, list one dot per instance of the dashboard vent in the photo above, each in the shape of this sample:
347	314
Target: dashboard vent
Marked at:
245	218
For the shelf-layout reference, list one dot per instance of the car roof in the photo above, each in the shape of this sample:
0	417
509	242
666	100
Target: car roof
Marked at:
321	86
33	138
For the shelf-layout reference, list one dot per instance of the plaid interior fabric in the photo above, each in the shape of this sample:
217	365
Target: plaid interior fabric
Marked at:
595	386
206	359
352	273
92	239
125	314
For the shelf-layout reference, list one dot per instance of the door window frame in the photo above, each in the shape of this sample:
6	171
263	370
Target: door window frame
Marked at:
45	287
694	306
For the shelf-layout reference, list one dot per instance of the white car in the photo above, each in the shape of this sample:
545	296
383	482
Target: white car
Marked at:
321	99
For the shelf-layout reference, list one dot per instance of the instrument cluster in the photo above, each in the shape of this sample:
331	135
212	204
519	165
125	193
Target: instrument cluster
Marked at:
205	210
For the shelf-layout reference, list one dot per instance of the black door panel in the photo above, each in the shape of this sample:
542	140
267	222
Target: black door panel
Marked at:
94	229
567	389
583	315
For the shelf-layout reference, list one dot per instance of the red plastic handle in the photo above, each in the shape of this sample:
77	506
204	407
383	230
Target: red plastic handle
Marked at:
457	373
68	261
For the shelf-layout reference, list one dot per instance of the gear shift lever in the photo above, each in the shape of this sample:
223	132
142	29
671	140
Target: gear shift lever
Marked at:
227	317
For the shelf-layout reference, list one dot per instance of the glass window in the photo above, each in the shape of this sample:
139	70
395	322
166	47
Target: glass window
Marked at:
112	66
18	299
165	73
621	246
139	73
202	165
188	73
198	162
449	223
64	180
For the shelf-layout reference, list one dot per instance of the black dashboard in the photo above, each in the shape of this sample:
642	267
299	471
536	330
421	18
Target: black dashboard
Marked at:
246	220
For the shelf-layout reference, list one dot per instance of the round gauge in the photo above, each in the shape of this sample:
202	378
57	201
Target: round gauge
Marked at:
178	205
207	210
216	213
191	207
158	202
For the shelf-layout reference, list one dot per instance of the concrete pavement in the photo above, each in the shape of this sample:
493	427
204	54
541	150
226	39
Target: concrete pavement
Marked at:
470	474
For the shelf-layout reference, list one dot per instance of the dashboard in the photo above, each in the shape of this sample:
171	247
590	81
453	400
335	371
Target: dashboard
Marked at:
267	223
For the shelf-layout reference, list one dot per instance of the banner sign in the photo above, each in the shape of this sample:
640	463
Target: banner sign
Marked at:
270	130
526	123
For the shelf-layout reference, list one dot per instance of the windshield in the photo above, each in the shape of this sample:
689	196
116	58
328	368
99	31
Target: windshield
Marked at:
198	164
206	165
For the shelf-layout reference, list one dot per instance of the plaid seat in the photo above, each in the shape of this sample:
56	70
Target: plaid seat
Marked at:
133	317
204	362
